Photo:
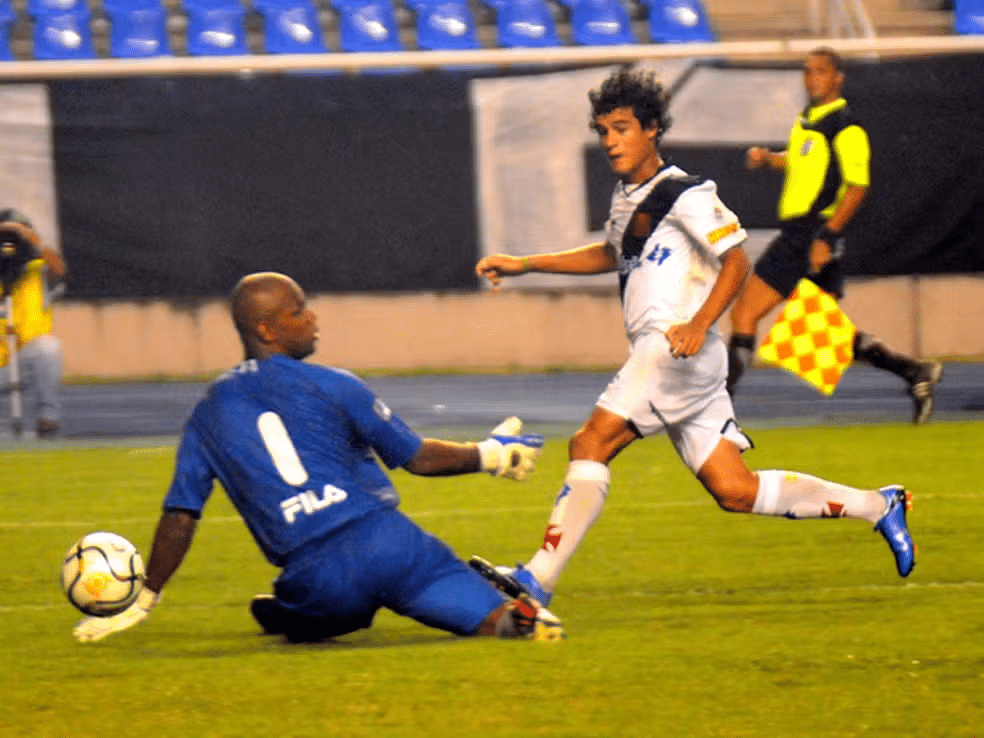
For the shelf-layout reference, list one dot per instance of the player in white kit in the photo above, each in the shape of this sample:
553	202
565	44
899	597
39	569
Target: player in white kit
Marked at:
677	250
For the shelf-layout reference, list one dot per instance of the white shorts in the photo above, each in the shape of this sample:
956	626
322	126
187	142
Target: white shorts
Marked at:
685	398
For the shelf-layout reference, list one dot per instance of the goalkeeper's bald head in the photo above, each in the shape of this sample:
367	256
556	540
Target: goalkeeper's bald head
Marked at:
255	302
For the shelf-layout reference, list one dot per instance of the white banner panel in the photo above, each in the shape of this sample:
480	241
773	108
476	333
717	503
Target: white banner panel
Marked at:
27	180
531	133
736	106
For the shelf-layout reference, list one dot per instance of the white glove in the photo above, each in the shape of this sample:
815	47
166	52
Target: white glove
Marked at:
506	453
95	629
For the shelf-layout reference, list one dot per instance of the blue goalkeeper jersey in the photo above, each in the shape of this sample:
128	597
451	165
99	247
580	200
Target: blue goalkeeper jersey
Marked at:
294	445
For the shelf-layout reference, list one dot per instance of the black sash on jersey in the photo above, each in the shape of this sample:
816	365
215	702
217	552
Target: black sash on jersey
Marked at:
657	204
829	126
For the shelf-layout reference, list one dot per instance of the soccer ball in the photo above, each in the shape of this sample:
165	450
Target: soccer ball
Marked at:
102	574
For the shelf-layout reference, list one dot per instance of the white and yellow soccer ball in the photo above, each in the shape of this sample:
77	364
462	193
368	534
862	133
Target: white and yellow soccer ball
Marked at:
102	574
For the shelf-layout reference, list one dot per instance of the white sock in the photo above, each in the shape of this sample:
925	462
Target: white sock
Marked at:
796	496
575	510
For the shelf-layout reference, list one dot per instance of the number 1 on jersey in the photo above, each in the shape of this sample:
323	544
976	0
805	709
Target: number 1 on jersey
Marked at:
281	448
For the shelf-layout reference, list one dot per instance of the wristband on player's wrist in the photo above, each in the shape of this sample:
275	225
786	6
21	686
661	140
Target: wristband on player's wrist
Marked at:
147	598
488	455
525	262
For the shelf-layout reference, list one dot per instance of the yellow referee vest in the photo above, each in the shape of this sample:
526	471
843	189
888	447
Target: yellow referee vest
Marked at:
32	318
827	151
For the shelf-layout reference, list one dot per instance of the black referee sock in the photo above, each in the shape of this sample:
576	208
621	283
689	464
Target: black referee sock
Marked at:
870	349
741	346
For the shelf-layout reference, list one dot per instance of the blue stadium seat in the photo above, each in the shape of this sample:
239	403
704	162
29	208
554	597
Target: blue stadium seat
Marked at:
7	18
216	27
445	24
968	16
525	23
678	21
61	29
291	27
367	25
138	28
54	7
600	22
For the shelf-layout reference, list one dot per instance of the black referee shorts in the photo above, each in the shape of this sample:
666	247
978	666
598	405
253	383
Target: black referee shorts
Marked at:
786	260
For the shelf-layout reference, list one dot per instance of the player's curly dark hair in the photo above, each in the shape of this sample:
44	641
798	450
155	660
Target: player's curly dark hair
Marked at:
636	89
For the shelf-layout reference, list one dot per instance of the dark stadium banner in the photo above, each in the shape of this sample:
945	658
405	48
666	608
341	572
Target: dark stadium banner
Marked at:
924	213
177	187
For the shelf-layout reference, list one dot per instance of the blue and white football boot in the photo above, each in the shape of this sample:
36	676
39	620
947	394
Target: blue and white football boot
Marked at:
529	582
529	611
894	528
512	581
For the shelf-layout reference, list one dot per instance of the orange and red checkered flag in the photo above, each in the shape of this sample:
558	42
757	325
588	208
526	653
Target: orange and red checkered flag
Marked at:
812	338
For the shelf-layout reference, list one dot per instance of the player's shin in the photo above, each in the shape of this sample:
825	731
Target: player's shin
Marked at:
575	510
796	495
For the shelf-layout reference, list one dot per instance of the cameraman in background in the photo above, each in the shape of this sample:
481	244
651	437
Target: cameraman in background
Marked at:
29	274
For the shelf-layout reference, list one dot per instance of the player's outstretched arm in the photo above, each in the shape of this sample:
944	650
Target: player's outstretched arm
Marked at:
507	452
595	258
759	157
173	537
494	268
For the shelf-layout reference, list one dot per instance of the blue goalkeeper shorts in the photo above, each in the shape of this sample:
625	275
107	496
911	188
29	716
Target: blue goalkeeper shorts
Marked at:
385	560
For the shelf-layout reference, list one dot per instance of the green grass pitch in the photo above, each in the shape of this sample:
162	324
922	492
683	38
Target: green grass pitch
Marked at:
683	620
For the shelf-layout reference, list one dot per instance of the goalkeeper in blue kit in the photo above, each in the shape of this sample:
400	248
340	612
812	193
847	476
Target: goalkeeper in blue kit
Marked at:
294	445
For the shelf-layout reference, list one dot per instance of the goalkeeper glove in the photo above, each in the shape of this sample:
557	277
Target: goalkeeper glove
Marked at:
95	629
506	453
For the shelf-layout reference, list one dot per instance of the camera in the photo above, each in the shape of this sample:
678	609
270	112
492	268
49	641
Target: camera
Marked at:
15	253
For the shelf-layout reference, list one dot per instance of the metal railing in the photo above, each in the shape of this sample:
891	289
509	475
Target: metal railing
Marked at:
840	19
504	58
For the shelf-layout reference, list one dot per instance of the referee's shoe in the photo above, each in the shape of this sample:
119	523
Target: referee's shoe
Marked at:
921	390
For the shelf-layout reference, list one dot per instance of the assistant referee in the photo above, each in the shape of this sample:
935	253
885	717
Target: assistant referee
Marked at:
827	174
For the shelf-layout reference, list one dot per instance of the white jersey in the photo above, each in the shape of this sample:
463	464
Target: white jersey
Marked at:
669	262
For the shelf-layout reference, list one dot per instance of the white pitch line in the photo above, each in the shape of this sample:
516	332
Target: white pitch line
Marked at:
105	524
907	586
